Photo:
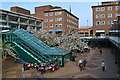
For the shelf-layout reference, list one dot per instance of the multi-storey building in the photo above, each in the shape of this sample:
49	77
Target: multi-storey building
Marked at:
20	10
85	32
57	20
20	20
103	16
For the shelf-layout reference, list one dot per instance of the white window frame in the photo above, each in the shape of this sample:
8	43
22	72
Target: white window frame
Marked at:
116	14
56	19
102	23
102	8
109	22
117	7
57	25
45	14
46	20
58	13
50	14
51	24
109	8
97	16
46	25
109	15
97	22
102	16
60	19
60	25
97	9
51	20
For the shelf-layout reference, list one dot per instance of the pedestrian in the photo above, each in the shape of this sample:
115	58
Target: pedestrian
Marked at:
80	64
100	51
103	65
80	61
85	63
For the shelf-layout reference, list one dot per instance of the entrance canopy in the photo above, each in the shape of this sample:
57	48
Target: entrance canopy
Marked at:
55	30
97	31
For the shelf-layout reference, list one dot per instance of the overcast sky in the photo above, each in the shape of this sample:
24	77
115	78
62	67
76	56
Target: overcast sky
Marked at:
80	8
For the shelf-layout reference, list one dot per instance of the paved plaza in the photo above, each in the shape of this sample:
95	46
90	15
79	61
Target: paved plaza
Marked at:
71	69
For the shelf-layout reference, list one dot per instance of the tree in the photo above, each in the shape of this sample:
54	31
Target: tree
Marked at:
68	42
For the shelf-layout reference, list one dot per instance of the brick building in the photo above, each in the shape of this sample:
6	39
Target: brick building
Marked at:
85	32
115	28
57	20
103	16
20	10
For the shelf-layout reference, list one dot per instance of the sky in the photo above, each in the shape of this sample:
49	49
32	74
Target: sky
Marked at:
81	9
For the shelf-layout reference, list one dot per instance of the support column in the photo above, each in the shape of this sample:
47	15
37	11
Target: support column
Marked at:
42	24
28	24
35	27
19	22
7	19
62	61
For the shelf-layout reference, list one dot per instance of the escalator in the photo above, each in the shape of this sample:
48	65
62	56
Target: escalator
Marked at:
28	48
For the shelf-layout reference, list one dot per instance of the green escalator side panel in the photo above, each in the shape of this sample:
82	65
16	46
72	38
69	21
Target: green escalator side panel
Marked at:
33	42
24	55
32	51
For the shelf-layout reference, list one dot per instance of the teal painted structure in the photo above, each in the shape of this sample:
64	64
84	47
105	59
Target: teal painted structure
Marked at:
95	39
31	49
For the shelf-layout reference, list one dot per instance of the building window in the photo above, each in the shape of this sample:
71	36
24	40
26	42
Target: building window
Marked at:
109	22
58	13
51	25
56	19
56	25
117	7
109	8
67	20
67	26
46	14
46	25
97	9
117	14
50	14
102	9
46	20
102	15
109	15
98	23
102	22
60	19
60	25
51	20
97	16
67	14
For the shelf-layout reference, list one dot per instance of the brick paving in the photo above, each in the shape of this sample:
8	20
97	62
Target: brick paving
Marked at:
71	70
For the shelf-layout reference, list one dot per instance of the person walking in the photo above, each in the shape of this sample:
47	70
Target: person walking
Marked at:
80	64
103	65
100	51
85	63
